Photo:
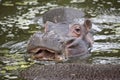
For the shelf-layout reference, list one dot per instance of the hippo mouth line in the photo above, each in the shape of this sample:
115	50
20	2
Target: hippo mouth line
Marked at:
46	54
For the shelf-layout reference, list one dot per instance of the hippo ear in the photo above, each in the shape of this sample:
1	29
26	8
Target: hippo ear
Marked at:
88	25
48	25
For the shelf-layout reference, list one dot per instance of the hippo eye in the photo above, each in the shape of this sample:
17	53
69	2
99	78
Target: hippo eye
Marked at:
38	52
77	30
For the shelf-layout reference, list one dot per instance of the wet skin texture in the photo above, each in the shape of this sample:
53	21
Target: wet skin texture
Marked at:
64	36
72	72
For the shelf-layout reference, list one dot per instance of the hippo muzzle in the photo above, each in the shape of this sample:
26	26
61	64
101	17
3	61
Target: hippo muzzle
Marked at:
46	46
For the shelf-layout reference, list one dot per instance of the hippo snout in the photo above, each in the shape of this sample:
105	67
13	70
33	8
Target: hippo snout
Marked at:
46	46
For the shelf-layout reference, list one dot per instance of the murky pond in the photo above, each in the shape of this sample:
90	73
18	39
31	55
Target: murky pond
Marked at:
19	19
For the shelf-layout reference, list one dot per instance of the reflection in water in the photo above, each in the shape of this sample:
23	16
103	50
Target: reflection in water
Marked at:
106	60
14	47
21	18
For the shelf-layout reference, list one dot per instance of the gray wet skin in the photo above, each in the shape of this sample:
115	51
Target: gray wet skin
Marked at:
63	36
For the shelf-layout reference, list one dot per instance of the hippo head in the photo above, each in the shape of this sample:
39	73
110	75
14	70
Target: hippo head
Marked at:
59	41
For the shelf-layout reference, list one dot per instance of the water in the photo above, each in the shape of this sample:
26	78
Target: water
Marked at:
19	19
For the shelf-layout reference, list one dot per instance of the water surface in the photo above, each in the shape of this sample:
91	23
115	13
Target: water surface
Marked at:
19	19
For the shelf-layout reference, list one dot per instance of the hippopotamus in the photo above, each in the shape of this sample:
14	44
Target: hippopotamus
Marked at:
66	34
72	71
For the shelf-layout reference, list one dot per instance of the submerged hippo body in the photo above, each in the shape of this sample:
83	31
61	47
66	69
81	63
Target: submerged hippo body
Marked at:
65	35
72	71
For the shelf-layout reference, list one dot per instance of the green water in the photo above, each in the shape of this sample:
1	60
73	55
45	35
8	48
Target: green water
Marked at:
19	19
